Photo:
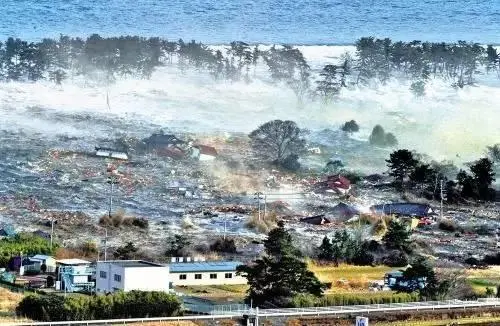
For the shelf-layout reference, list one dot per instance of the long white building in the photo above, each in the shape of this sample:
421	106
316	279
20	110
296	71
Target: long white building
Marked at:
128	275
205	273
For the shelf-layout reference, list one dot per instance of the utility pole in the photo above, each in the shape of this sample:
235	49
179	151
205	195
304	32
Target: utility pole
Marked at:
51	231
258	201
265	206
105	244
111	181
441	197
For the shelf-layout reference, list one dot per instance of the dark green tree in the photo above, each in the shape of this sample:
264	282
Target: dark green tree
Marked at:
325	250
176	245
401	165
377	136
397	236
126	252
276	278
329	85
350	126
482	172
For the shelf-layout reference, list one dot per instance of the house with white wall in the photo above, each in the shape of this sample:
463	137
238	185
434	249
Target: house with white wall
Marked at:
128	275
37	261
205	273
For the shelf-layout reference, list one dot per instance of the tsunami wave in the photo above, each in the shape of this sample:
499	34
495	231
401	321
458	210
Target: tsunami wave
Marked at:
446	123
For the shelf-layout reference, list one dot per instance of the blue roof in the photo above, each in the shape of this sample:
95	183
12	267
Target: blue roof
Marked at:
407	209
217	266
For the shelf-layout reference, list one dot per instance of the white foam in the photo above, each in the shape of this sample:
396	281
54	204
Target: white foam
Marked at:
445	123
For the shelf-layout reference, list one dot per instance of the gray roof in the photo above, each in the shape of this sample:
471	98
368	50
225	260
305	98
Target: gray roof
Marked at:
132	263
218	266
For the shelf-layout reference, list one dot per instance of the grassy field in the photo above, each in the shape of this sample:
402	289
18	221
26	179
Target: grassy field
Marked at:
348	278
480	279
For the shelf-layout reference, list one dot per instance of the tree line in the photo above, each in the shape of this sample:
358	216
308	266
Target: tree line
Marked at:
376	59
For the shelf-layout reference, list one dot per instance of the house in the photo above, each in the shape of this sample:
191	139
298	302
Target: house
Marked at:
74	275
316	220
344	211
403	209
205	273
48	261
334	184
172	152
204	153
128	275
160	141
111	153
7	232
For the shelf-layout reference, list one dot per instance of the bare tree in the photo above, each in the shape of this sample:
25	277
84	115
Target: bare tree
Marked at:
276	140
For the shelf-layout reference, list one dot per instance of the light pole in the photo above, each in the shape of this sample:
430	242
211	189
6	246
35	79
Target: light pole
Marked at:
441	198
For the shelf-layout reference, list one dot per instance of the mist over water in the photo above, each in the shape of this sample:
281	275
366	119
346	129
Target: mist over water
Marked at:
445	124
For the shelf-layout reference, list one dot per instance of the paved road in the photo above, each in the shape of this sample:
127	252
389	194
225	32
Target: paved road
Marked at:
317	311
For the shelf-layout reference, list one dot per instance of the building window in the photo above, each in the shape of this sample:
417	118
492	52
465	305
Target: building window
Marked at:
103	274
228	275
182	277
213	276
197	276
118	278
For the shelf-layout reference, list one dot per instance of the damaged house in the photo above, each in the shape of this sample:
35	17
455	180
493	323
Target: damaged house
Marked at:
403	209
204	153
334	184
166	145
316	220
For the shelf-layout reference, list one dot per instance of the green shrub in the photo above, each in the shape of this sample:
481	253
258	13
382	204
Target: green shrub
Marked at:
134	304
26	243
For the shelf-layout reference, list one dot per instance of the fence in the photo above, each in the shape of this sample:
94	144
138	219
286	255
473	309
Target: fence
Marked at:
314	311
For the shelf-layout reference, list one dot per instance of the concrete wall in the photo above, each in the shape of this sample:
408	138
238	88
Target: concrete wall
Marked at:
206	280
108	284
154	278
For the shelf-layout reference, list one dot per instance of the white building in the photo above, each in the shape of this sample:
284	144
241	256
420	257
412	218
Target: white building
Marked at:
205	273
39	260
127	275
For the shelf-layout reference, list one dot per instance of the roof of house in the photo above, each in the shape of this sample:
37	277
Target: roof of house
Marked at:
219	266
206	150
161	139
131	263
338	181
406	209
41	257
317	220
344	210
73	261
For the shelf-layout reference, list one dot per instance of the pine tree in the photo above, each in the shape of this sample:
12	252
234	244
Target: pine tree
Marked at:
280	275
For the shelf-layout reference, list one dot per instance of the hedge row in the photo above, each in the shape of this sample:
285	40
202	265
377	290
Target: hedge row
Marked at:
345	299
134	304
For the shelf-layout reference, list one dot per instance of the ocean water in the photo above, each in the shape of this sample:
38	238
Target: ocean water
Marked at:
266	21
